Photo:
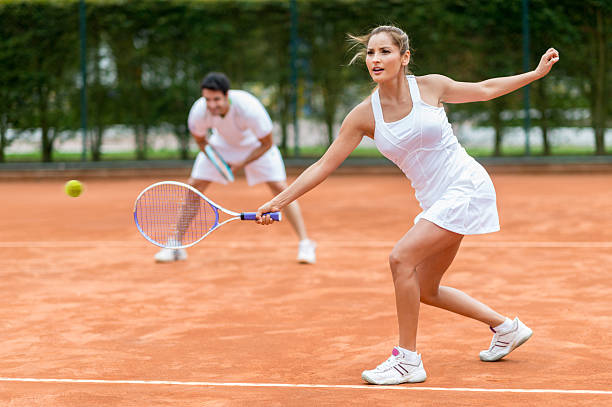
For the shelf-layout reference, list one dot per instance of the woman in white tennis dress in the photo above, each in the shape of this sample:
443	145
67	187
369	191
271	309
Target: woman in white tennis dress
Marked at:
454	191
405	117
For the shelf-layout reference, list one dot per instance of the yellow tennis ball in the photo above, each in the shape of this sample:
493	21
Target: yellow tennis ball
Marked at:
73	188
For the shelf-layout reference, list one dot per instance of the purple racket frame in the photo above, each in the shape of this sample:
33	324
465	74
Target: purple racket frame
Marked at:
277	216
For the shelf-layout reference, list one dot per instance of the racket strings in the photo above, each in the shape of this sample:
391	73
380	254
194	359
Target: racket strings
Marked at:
173	215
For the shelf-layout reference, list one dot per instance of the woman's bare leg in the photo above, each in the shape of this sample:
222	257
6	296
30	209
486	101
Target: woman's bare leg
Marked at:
422	241
430	272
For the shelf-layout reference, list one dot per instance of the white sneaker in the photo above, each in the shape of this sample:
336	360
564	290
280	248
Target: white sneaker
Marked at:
168	255
306	252
397	369
505	342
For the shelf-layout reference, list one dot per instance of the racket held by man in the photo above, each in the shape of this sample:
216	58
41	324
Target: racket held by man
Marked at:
175	215
220	164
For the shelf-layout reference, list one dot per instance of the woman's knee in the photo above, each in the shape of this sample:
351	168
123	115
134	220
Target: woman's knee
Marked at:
401	265
429	296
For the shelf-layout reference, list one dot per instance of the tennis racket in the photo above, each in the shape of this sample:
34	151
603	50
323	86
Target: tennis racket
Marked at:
219	163
175	215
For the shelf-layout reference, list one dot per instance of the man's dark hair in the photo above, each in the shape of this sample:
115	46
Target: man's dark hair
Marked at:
216	81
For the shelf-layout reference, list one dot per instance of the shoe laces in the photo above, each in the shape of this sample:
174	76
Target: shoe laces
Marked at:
387	363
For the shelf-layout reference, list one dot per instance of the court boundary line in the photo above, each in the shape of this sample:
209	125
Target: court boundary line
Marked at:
291	385
322	243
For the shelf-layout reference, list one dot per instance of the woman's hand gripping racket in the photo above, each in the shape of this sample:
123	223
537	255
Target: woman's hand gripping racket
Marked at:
175	215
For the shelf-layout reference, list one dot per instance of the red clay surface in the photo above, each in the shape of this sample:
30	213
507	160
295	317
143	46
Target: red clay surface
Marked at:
81	298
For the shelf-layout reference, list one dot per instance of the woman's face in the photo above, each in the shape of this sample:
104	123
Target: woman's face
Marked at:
383	58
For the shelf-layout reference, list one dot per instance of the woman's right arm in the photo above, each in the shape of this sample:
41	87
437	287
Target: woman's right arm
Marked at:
358	123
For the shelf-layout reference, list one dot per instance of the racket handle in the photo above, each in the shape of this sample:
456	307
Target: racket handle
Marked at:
251	216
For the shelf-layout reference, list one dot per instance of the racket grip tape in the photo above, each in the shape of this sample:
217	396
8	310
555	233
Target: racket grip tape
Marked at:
251	216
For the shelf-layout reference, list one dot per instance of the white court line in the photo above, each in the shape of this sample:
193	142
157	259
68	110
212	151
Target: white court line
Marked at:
308	386
322	243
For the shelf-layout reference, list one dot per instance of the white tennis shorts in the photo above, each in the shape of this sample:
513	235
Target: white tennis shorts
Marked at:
268	167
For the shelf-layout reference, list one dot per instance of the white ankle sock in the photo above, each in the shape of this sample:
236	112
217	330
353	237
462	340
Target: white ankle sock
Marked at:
410	355
504	326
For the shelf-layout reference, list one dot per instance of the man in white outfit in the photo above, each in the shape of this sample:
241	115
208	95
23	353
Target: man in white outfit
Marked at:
241	131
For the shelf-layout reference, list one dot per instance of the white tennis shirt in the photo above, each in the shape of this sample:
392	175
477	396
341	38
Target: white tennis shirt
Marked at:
242	126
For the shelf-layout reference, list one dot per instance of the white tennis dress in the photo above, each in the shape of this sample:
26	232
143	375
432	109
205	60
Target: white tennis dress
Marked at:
454	190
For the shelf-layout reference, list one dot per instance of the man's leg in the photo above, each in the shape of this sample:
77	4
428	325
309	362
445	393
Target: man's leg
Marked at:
306	253
292	210
167	255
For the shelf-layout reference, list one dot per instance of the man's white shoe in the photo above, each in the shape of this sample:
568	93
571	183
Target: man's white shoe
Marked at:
397	369
505	342
306	252
168	255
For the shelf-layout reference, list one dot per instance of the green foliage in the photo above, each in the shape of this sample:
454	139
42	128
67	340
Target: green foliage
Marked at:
145	60
38	60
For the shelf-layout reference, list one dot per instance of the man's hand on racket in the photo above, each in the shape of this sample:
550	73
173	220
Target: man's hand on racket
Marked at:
266	208
201	141
549	58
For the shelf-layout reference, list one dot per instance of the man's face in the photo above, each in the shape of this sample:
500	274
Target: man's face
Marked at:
216	102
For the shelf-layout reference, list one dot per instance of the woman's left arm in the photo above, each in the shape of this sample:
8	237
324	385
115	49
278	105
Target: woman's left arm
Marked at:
451	91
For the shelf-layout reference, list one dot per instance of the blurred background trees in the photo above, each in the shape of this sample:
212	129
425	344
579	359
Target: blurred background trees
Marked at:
145	60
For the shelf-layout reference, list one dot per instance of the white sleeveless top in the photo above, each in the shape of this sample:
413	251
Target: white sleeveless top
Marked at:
453	189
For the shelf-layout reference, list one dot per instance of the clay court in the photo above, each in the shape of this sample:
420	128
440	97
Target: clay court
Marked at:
88	319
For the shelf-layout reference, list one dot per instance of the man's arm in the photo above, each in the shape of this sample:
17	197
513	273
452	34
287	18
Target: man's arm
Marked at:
266	143
201	141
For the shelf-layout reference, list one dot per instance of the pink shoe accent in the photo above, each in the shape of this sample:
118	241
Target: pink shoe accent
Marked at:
395	352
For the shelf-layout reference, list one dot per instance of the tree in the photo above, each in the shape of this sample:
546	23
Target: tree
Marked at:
45	72
587	57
